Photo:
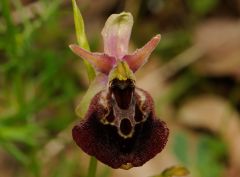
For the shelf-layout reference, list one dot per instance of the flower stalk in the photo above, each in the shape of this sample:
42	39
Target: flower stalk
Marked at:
92	168
83	42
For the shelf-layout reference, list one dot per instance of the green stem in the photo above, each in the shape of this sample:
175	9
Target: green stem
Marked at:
92	167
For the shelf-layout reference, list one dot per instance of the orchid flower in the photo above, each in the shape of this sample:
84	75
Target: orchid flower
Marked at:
120	127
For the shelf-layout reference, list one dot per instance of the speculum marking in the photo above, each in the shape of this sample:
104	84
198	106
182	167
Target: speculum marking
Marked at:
126	126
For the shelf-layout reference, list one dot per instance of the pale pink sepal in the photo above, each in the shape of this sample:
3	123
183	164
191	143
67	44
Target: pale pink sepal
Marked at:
116	34
140	56
101	61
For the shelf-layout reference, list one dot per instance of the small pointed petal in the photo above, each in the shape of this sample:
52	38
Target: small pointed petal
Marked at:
140	56
116	34
102	62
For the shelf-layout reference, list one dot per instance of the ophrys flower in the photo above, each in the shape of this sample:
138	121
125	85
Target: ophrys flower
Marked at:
120	127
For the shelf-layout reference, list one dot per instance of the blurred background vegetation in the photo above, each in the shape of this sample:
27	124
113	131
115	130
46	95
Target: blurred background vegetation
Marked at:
193	76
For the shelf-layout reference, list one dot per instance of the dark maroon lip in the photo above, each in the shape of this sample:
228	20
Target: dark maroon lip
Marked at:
141	136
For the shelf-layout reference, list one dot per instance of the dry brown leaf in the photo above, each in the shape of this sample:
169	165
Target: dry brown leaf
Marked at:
214	113
221	40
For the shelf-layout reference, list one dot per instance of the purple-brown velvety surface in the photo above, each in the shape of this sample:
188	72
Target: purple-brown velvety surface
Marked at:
104	142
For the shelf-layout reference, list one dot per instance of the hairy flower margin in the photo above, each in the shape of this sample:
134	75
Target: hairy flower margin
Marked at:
120	127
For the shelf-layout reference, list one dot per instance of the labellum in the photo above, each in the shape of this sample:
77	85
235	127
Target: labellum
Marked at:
120	127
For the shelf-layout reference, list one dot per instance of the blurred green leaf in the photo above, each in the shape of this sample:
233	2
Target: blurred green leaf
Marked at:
35	167
24	134
210	151
10	33
181	147
82	38
64	168
202	7
15	152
